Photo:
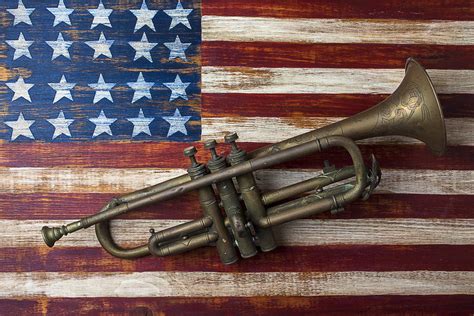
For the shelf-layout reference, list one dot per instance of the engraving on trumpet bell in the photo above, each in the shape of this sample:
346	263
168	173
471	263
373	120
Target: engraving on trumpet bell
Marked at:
406	107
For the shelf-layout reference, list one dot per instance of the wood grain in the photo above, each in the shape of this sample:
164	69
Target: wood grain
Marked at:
345	9
70	206
309	232
460	131
313	105
105	180
325	258
211	284
301	30
329	55
261	305
169	155
325	80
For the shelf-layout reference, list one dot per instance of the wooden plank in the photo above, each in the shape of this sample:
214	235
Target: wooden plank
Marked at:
314	105
325	80
210	284
326	258
367	305
393	180
168	155
308	232
301	30
106	180
345	9
265	54
460	131
69	206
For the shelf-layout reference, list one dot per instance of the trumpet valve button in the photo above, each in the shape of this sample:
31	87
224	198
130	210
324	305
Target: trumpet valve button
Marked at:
190	151
210	144
231	137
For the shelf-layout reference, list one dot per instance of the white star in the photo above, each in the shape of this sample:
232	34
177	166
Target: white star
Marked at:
179	15
20	127
177	48
144	17
61	13
21	14
102	89
101	46
141	124
20	89
178	88
61	125
63	89
143	48
21	46
141	88
60	47
101	15
177	123
102	124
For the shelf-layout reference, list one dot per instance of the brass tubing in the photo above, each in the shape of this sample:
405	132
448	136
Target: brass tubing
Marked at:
329	203
180	231
234	212
231	204
183	245
224	243
255	209
233	171
142	193
104	236
311	198
315	183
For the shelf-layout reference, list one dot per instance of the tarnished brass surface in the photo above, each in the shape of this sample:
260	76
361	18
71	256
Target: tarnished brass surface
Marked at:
413	110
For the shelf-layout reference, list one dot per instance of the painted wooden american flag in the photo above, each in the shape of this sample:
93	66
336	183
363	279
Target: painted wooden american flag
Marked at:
100	98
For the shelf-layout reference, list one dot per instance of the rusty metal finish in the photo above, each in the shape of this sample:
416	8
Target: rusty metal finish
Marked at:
413	110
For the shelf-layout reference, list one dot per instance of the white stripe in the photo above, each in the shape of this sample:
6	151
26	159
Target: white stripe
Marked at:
102	180
386	31
307	232
325	80
460	131
213	284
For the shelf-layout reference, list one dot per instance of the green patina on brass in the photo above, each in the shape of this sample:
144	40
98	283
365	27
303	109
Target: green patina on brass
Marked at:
413	110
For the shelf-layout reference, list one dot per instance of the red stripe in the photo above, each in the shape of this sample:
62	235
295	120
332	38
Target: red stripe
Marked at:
331	258
50	206
390	156
167	155
324	305
264	54
345	9
313	105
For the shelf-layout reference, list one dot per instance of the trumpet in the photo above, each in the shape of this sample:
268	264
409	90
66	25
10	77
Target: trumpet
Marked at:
237	217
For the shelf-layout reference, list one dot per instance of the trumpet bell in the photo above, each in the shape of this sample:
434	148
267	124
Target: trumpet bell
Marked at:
413	110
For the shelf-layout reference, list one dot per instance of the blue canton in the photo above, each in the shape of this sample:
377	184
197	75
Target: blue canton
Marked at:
108	70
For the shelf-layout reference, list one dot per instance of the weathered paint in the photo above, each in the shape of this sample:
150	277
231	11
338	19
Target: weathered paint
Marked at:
224	28
106	180
307	232
211	284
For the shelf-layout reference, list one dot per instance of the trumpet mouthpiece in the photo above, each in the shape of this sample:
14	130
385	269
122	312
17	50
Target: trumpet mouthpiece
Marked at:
51	235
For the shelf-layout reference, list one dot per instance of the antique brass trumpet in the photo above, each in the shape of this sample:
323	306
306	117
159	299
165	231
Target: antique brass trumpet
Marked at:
413	110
